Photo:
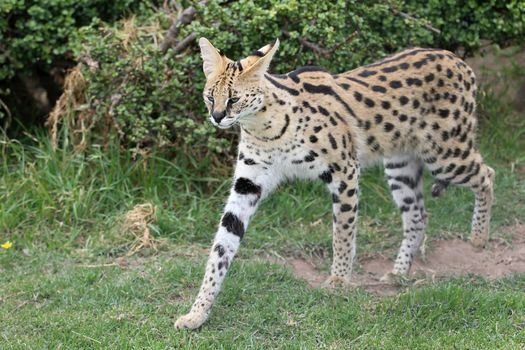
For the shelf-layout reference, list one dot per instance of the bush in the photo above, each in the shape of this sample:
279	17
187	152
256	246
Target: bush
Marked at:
37	32
146	99
34	39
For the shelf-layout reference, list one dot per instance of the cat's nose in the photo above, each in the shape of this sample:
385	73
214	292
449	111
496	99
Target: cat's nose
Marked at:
218	116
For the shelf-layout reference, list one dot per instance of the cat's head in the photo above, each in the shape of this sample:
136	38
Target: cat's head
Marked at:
233	88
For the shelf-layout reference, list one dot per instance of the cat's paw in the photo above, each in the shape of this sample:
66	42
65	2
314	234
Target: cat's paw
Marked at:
335	282
393	278
478	242
192	320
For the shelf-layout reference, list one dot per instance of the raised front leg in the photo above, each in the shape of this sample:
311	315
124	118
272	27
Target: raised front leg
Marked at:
343	184
405	178
248	189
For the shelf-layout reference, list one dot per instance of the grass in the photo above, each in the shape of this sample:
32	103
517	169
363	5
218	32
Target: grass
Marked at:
50	301
66	285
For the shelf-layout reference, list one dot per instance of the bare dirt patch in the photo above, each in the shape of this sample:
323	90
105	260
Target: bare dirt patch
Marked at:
444	258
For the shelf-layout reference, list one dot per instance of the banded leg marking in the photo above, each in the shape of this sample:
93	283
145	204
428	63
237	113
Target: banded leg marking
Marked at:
242	204
405	178
343	185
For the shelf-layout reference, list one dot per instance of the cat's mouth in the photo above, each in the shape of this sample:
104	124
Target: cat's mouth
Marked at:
225	123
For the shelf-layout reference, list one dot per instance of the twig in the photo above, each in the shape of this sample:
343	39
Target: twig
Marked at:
25	302
186	17
9	116
184	43
412	18
88	61
319	49
314	47
90	266
89	338
349	38
115	99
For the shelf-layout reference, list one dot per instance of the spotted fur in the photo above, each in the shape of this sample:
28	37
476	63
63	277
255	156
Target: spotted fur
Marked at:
412	110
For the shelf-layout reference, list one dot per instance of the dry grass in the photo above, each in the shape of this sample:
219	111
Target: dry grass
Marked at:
72	100
136	222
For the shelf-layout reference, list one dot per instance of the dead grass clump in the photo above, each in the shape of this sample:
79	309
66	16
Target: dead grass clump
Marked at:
71	109
137	223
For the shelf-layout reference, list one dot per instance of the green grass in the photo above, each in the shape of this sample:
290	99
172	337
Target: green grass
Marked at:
62	287
51	301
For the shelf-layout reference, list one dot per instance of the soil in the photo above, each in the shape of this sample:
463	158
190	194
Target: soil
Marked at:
446	258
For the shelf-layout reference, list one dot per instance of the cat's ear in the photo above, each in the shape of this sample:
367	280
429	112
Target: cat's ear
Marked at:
213	59
259	61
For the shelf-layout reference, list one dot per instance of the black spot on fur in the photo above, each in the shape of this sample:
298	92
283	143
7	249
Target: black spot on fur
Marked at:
246	186
379	88
414	81
333	142
408	200
359	81
443	113
220	250
429	77
326	176
369	102
420	63
367	73
233	224
318	89
396	165
310	157
346	207
395	84
295	74
394	187
389	69
388	127
291	91
323	110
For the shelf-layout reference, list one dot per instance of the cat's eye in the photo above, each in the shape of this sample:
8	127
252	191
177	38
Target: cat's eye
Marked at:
233	100
210	98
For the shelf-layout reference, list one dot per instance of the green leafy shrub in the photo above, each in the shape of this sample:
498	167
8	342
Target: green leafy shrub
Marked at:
467	23
147	99
37	32
34	39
